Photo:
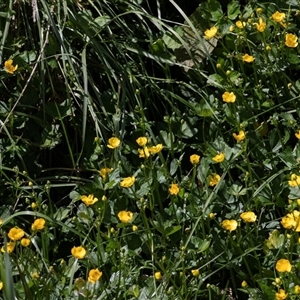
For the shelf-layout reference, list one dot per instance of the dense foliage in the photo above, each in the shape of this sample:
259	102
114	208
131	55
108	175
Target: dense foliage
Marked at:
149	150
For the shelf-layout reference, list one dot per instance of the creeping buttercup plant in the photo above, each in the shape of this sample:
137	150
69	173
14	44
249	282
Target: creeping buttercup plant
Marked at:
149	150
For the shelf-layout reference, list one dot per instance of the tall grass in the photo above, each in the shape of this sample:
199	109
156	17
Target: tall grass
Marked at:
144	157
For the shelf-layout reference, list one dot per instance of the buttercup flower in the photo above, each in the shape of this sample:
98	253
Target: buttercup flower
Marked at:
248	58
261	25
297	134
195	272
283	265
219	157
292	221
38	224
125	216
210	33
113	143
134	228
239	137
297	289
295	180
9	68
142	141
229	97
144	153
10	247
25	242
78	252
291	40
1	285
104	171
240	24
157	276
244	284
194	159
212	215
278	16
248	217
281	295
127	182
155	149
214	179
88	200
229	225
16	233
94	275
174	189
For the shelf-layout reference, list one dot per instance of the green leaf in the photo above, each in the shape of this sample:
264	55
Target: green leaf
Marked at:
275	240
171	230
203	246
233	10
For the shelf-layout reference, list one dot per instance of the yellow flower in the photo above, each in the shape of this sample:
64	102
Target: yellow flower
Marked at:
33	205
104	171
155	149
125	216
297	134
239	137
113	143
229	225
261	25
210	33
142	141
195	272
157	276
35	275
248	216
288	221
297	289
219	157
231	28
281	295
248	58
212	215
244	284
10	247
283	265
295	180
218	66
214	179
16	233
268	48
292	221
78	252
144	153
88	200
229	97
174	189
127	182
9	68
259	10
134	228
38	224
94	275
194	159
278	17
240	24
25	242
1	285
291	40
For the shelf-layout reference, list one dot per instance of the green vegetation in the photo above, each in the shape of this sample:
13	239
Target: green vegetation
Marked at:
149	150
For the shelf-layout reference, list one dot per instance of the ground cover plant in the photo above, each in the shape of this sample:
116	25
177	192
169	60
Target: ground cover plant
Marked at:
149	150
